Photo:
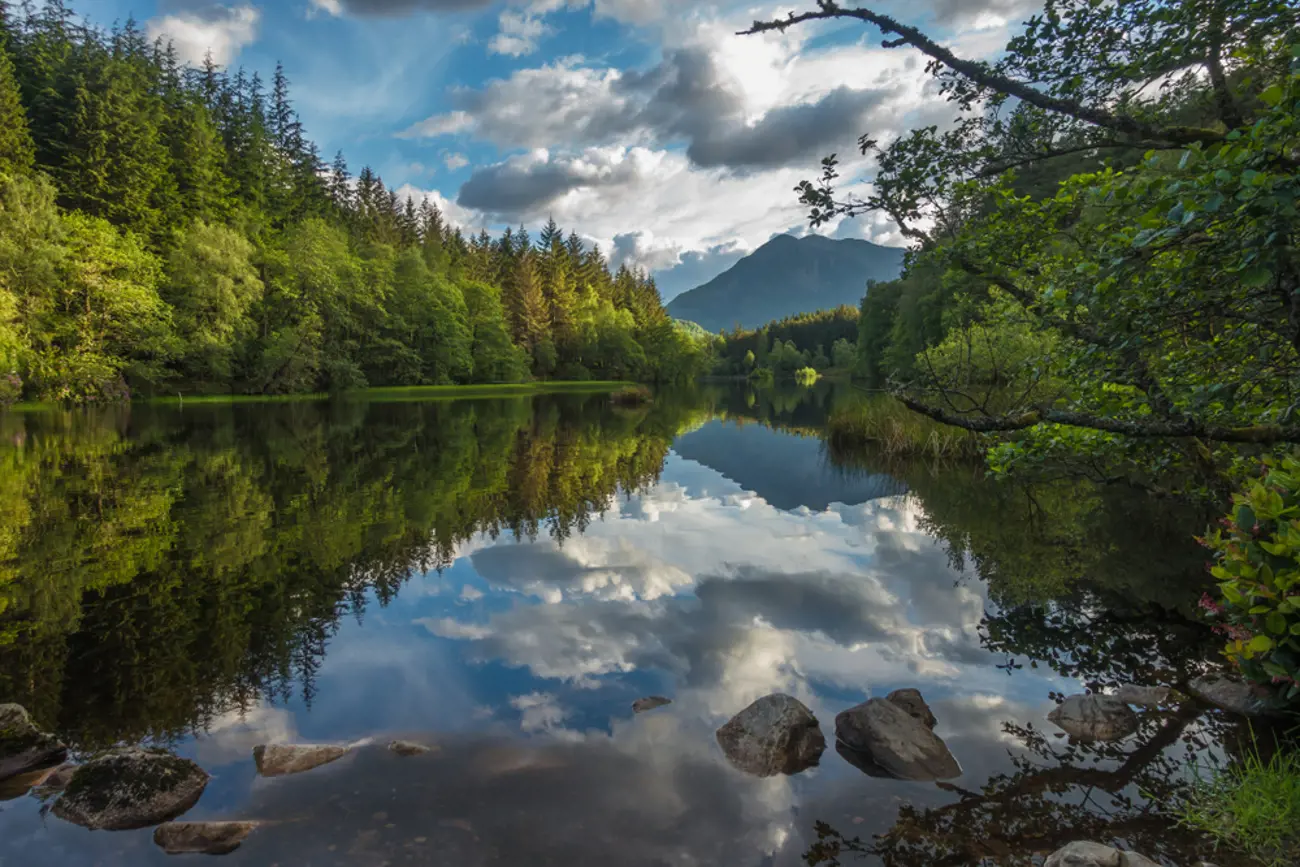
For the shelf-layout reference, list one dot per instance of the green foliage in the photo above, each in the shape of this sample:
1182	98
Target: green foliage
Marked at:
1251	806
806	375
1127	253
243	265
1257	564
740	350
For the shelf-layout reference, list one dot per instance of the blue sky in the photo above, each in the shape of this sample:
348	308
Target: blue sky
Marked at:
648	126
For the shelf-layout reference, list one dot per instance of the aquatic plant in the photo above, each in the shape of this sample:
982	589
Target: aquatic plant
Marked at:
886	424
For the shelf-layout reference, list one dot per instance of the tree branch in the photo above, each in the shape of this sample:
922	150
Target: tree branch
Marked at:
985	76
1141	428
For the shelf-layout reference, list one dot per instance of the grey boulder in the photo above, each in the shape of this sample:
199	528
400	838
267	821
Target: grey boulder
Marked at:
650	702
278	760
911	701
1143	696
1234	694
775	735
408	748
131	788
1083	854
202	838
1089	718
24	747
883	740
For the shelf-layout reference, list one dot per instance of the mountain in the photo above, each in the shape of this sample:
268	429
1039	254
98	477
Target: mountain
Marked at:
785	276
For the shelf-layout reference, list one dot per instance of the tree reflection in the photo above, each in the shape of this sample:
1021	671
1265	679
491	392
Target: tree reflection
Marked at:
159	567
1097	582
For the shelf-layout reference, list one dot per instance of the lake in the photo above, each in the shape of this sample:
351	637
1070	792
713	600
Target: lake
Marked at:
500	579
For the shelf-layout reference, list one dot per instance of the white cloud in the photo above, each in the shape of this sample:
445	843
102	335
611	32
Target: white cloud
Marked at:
517	34
441	124
455	161
217	30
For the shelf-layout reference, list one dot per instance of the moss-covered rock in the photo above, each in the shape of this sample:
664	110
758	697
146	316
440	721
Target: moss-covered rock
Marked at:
202	838
24	747
131	788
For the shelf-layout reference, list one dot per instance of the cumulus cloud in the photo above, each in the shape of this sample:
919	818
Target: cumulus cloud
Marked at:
527	183
211	29
455	161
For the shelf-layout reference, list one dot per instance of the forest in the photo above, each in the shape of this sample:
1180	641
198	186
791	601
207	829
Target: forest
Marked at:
821	340
167	229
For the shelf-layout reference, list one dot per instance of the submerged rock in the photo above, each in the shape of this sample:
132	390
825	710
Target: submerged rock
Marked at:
1234	694
650	702
17	786
775	735
1083	854
1143	696
407	748
882	739
24	747
131	788
278	760
911	701
202	838
1090	718
56	781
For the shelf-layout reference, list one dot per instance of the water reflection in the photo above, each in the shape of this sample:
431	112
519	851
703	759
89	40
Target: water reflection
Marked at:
505	578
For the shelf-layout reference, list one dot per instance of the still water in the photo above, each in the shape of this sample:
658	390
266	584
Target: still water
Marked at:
501	579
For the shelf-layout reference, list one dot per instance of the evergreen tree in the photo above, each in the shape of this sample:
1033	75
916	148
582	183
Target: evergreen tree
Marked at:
17	153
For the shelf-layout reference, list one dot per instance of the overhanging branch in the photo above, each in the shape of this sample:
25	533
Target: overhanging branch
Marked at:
1260	434
985	76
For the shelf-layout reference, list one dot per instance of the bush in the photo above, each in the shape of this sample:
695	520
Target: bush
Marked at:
1253	807
632	395
1257	564
806	376
885	424
11	388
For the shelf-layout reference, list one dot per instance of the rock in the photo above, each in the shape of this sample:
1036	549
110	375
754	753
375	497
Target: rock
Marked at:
202	838
131	788
650	702
1089	718
277	760
24	747
408	748
16	787
882	739
57	780
774	735
1234	694
911	701
1143	696
1082	854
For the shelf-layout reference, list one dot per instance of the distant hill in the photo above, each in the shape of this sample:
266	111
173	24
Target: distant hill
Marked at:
788	275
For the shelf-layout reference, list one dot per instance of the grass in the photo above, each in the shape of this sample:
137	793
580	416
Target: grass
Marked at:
414	392
1252	806
882	423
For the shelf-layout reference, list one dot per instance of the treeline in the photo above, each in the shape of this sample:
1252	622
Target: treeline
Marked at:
818	340
159	568
165	228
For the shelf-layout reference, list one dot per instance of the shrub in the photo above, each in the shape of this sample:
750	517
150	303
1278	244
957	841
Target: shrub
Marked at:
885	424
806	376
1253	807
11	388
1257	564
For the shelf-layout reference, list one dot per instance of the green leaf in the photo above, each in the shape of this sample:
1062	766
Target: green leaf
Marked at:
1271	95
1260	644
1256	277
1276	623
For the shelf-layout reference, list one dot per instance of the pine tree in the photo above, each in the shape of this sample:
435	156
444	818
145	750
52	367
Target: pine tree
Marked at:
525	303
17	153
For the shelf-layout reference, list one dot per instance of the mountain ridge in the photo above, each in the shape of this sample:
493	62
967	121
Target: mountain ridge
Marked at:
787	276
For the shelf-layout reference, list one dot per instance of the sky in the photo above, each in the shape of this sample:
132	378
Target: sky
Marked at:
648	126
